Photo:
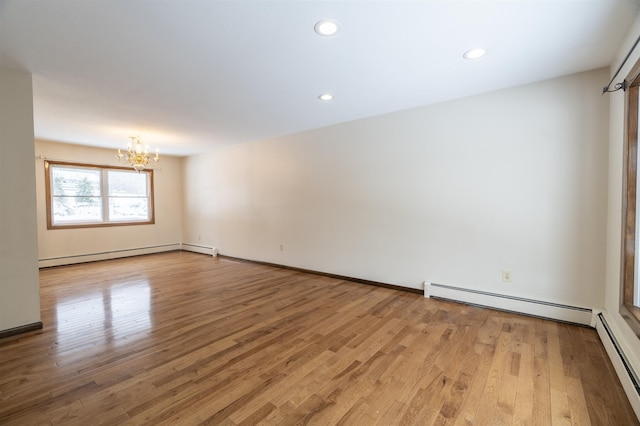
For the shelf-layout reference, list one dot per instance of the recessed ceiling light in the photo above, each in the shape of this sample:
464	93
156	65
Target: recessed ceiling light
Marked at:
325	97
326	27
474	53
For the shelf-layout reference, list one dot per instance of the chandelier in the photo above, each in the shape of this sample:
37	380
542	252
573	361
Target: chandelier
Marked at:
136	155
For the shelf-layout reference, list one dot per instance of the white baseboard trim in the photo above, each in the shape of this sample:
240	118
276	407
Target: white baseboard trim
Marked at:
538	308
92	257
213	251
627	375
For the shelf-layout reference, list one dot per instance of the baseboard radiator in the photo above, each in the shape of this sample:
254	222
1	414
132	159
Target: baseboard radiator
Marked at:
200	249
624	369
520	305
106	255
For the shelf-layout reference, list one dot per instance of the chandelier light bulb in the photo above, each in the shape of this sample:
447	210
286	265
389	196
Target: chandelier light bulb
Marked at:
137	156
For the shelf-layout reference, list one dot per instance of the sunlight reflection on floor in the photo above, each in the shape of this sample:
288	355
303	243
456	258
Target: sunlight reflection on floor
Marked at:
122	311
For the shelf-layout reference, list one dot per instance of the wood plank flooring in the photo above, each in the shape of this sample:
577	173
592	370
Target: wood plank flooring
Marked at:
182	339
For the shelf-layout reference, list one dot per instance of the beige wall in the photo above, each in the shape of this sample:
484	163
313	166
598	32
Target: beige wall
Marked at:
61	246
19	286
450	193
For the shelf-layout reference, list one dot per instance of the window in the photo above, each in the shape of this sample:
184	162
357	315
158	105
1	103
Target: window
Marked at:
85	195
630	303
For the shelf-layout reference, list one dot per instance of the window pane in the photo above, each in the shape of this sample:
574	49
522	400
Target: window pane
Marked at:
127	184
76	210
130	208
75	181
89	195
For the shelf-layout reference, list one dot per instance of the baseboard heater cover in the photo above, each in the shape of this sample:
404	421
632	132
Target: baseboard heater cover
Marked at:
196	248
624	369
114	254
520	305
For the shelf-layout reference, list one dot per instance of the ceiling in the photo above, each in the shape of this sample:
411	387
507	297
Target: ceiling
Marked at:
191	75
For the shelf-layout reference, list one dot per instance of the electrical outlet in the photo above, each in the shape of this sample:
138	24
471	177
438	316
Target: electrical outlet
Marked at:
506	275
199	238
281	247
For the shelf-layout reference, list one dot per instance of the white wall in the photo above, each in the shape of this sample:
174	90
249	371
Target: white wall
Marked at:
19	283
62	246
451	193
626	338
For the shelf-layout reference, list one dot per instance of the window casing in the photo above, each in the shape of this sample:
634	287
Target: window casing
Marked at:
630	281
88	195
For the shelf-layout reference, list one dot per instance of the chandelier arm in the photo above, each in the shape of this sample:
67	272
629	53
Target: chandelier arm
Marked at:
136	155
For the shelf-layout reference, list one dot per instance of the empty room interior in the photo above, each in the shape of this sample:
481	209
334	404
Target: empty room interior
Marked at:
316	212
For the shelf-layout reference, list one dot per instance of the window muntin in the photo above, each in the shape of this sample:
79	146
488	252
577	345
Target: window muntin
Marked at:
84	195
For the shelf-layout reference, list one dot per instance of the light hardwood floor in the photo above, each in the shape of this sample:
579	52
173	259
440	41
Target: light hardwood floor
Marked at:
180	338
